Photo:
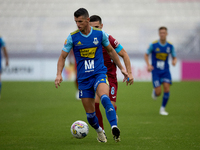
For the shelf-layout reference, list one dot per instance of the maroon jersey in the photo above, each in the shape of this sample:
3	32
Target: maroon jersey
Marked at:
108	62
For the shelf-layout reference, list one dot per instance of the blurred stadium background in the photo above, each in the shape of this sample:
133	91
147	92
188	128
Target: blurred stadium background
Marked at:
35	30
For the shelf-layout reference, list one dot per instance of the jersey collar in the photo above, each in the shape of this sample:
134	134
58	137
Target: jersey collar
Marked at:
163	45
88	34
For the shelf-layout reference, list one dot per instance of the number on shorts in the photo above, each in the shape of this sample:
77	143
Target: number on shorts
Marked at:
112	90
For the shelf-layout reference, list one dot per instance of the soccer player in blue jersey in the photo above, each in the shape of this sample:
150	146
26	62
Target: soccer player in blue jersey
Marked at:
159	67
3	47
91	73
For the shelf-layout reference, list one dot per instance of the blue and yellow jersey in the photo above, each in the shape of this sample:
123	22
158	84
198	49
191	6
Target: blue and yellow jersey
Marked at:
88	52
159	55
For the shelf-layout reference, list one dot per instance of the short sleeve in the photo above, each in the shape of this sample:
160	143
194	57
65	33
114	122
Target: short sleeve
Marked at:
115	44
68	45
2	42
173	52
150	49
105	41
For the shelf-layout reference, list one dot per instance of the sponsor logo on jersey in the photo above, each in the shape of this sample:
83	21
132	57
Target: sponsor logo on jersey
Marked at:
157	49
65	42
161	56
79	43
116	43
88	52
89	65
95	41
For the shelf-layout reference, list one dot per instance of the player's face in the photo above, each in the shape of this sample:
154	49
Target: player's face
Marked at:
96	24
163	34
81	22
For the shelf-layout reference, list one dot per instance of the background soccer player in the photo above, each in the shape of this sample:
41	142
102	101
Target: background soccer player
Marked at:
87	47
3	47
160	51
96	21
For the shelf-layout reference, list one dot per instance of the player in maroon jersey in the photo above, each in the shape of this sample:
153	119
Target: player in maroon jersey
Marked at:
96	22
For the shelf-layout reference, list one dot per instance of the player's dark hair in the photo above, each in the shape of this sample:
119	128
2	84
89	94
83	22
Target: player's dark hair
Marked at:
95	18
162	28
81	12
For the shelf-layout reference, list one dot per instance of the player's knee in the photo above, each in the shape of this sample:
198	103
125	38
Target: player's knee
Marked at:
158	92
166	90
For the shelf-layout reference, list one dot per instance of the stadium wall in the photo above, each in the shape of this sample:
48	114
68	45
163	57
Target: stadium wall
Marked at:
45	70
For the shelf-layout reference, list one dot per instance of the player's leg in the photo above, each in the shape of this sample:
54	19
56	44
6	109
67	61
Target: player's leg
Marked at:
89	106
113	93
98	112
157	86
166	86
102	90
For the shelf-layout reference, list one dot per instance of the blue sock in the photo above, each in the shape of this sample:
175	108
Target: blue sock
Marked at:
110	110
165	99
93	120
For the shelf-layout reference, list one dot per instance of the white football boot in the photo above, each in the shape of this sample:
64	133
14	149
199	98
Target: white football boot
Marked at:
101	137
153	95
163	112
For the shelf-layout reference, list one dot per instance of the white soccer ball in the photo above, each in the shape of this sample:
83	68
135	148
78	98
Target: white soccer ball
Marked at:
79	129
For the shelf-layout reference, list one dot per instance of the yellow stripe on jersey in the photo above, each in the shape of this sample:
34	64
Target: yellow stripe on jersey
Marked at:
155	42
97	29
75	32
169	42
107	80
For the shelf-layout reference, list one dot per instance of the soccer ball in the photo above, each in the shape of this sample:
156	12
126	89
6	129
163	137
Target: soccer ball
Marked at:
79	129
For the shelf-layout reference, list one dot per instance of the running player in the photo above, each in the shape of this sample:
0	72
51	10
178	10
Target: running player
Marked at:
2	47
160	51
91	73
96	21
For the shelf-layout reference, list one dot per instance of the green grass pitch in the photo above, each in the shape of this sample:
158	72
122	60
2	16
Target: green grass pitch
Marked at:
36	115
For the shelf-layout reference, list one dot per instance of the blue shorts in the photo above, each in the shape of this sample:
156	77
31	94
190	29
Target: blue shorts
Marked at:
90	85
159	77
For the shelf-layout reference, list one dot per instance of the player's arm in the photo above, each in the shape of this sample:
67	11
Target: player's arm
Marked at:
5	54
61	61
113	54
127	63
122	53
174	59
146	58
115	58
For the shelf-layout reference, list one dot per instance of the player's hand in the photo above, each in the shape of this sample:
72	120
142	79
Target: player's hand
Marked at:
149	68
130	79
123	71
174	61
58	80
